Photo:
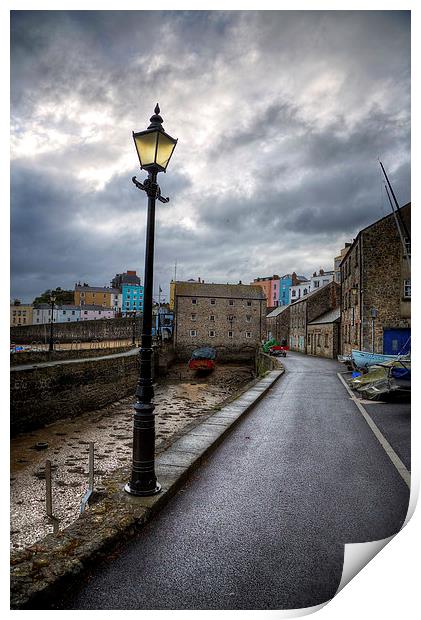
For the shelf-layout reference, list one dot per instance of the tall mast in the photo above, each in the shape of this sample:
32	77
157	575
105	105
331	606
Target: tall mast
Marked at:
405	253
398	211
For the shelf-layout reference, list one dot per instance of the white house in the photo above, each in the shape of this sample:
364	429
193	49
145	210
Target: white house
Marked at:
318	280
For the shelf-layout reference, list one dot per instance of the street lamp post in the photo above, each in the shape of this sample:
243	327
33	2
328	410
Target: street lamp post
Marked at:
154	148
52	302
134	328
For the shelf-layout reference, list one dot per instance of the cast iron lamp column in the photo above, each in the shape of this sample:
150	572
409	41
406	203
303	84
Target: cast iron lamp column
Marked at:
134	328
52	302
154	148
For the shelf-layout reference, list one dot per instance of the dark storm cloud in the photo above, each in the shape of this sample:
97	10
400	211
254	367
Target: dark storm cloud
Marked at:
280	116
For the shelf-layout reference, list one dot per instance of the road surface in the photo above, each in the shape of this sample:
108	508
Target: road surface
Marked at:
263	522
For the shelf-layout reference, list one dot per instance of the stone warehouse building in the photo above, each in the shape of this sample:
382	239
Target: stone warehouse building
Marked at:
277	324
306	310
323	334
231	318
376	288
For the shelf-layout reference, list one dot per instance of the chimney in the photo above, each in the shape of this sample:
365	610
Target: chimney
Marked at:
314	274
321	272
239	282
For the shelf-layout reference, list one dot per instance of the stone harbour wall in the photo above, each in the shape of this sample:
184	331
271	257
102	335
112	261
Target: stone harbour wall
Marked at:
46	394
85	331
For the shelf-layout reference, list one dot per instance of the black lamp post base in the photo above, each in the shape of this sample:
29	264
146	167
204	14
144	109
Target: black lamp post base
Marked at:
141	493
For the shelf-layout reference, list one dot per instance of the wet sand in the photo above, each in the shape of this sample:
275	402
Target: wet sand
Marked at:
181	400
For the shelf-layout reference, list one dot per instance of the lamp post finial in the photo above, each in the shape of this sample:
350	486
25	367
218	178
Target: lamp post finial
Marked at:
156	119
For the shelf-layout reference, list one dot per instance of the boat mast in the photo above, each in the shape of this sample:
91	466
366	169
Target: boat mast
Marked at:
399	231
398	210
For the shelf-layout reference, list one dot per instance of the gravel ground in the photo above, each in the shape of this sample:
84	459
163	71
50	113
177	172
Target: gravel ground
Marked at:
181	401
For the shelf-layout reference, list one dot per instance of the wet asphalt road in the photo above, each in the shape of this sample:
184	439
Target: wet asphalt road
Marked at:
262	524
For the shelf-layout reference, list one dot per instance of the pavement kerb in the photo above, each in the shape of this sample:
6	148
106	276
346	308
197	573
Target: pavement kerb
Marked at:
44	570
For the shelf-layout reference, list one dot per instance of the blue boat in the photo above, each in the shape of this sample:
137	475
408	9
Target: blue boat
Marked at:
364	359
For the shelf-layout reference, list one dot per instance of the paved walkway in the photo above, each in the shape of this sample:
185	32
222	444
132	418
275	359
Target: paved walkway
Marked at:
263	522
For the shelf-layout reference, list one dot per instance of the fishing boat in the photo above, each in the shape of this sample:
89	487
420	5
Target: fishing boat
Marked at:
203	359
364	359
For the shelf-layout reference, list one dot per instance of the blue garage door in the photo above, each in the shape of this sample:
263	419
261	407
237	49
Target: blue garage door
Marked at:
396	341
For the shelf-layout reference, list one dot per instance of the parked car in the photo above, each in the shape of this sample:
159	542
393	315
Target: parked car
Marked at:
278	350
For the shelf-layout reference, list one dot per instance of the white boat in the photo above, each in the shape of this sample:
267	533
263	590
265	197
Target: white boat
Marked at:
363	359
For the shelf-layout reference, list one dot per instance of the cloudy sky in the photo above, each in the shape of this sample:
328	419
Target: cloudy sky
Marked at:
280	118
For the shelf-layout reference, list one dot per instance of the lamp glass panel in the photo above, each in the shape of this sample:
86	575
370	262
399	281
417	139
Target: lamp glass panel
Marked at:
146	146
165	149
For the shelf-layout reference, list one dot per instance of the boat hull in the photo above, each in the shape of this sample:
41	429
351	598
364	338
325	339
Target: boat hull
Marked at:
364	359
201	364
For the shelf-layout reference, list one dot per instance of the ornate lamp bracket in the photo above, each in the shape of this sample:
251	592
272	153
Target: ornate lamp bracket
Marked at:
152	189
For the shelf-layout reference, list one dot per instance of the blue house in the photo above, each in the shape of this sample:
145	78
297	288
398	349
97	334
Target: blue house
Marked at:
288	280
132	298
284	286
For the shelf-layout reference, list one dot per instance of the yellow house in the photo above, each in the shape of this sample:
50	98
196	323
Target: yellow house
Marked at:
20	314
96	296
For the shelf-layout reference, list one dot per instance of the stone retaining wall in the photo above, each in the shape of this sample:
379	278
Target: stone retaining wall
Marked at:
45	394
85	331
34	357
265	363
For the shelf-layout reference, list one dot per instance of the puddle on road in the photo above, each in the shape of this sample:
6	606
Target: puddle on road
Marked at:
179	402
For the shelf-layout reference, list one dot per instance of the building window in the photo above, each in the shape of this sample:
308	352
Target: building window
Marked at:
230	334
194	302
407	288
316	283
231	302
407	246
318	340
293	293
249	303
213	302
193	332
85	312
248	318
326	341
248	334
211	333
37	320
212	317
305	291
193	317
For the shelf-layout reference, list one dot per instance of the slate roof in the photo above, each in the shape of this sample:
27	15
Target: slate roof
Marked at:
97	289
277	311
328	317
227	291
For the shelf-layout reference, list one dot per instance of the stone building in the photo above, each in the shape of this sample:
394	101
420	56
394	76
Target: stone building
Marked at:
323	334
337	262
231	318
307	309
277	324
376	288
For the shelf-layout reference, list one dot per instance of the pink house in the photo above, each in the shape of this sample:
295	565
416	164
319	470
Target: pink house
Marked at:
270	287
